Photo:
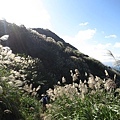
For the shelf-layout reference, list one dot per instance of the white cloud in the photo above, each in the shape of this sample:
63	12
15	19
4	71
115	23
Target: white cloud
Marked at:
117	45
31	13
85	34
103	46
80	37
111	36
80	41
92	48
97	51
83	24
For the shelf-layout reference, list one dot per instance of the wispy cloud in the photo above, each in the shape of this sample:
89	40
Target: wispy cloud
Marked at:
97	51
85	34
84	24
81	36
80	40
111	36
117	45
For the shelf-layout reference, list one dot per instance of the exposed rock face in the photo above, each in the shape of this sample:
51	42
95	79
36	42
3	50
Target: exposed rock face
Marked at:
57	56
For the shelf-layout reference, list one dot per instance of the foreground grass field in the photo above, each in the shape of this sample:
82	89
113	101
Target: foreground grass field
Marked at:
99	106
14	105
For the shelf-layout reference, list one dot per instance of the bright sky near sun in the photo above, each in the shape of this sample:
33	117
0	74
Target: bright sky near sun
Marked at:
92	26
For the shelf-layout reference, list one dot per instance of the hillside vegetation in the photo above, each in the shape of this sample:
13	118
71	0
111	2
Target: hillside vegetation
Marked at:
37	61
19	98
55	55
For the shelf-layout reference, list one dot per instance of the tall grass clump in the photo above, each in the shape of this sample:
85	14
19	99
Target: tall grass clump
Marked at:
99	106
15	102
116	61
16	105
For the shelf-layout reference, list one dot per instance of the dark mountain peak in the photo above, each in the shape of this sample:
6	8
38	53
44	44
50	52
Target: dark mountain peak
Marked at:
51	34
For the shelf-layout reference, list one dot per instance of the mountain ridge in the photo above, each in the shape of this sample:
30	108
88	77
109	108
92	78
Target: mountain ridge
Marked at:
57	56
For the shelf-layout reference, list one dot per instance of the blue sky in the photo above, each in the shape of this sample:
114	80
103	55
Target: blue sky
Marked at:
92	26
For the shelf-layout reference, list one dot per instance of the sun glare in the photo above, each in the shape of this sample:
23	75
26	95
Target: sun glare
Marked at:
31	13
10	10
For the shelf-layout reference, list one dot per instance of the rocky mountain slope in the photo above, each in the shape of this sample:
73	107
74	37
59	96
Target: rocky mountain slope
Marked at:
57	56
